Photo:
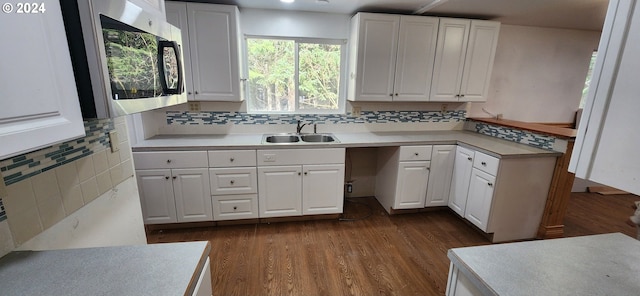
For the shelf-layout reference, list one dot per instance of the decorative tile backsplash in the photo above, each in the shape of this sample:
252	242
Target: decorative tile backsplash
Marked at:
514	135
27	165
221	118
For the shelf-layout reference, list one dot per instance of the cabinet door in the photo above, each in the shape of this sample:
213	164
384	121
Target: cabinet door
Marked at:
156	196
213	41
462	166
442	159
416	52
203	285
322	189
280	191
453	36
479	199
177	16
376	56
483	40
39	98
192	194
411	190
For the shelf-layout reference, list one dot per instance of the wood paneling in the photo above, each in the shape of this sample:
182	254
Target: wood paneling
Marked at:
381	255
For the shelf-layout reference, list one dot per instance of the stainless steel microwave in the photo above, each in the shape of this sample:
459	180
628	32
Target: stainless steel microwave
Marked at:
125	59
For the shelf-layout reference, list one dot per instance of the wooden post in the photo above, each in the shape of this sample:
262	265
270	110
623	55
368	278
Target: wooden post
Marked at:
555	209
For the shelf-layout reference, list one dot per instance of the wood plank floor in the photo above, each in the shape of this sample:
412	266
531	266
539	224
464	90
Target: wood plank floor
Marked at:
381	255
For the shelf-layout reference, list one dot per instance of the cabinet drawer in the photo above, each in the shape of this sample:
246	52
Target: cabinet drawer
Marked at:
415	153
300	156
225	181
486	163
232	158
170	160
232	207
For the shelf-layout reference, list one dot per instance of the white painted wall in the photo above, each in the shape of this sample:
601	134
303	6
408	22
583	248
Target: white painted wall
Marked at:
294	24
538	74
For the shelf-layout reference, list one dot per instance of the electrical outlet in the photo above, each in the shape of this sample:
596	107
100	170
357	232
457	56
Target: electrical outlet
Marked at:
499	116
113	141
443	108
194	106
356	111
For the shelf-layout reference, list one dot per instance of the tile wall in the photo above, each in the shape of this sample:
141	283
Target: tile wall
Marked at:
47	185
243	118
516	135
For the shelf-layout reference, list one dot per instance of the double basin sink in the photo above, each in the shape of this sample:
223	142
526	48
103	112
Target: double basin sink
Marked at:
298	138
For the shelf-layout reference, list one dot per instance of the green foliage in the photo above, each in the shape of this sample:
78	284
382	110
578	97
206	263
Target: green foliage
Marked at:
272	75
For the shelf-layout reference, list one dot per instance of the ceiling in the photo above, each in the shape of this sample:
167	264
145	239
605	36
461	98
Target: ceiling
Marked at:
568	14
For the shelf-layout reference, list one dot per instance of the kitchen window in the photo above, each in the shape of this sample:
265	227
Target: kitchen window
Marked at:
295	75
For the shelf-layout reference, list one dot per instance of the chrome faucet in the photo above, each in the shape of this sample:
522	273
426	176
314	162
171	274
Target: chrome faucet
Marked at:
299	127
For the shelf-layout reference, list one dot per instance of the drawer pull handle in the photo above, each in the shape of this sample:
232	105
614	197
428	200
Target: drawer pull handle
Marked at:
483	163
174	177
231	159
168	160
490	184
417	153
469	158
235	208
166	177
232	181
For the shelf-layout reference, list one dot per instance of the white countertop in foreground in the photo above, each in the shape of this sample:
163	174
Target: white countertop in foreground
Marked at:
159	269
607	264
491	145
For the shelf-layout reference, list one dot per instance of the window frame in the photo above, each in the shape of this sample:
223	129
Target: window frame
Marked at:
342	89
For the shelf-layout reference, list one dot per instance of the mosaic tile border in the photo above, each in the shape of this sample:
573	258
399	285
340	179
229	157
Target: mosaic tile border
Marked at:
27	165
221	118
515	135
3	213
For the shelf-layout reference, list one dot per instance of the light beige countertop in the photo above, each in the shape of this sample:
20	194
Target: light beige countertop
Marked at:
490	145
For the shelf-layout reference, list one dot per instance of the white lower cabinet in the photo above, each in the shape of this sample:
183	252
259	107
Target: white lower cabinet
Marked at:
479	198
203	286
172	186
234	184
402	177
442	159
463	164
175	195
502	197
294	182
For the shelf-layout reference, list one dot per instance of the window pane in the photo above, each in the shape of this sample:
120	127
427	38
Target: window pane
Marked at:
319	76
587	82
271	75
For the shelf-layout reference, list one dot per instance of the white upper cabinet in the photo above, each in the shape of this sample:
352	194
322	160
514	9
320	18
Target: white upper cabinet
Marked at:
39	97
155	7
210	34
608	135
391	57
464	59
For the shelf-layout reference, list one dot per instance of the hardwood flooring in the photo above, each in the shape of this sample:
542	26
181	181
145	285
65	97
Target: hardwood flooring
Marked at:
380	255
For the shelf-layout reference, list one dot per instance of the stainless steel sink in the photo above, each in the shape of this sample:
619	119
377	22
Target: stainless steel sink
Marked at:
318	138
295	139
282	139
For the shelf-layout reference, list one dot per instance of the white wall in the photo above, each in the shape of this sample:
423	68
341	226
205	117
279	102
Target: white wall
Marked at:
538	74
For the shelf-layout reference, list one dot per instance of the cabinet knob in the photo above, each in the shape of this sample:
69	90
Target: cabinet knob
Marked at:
232	181
150	23
189	92
391	95
305	173
174	177
457	96
196	92
396	94
469	158
166	177
462	96
168	160
483	163
428	168
299	173
231	159
417	153
235	208
490	184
